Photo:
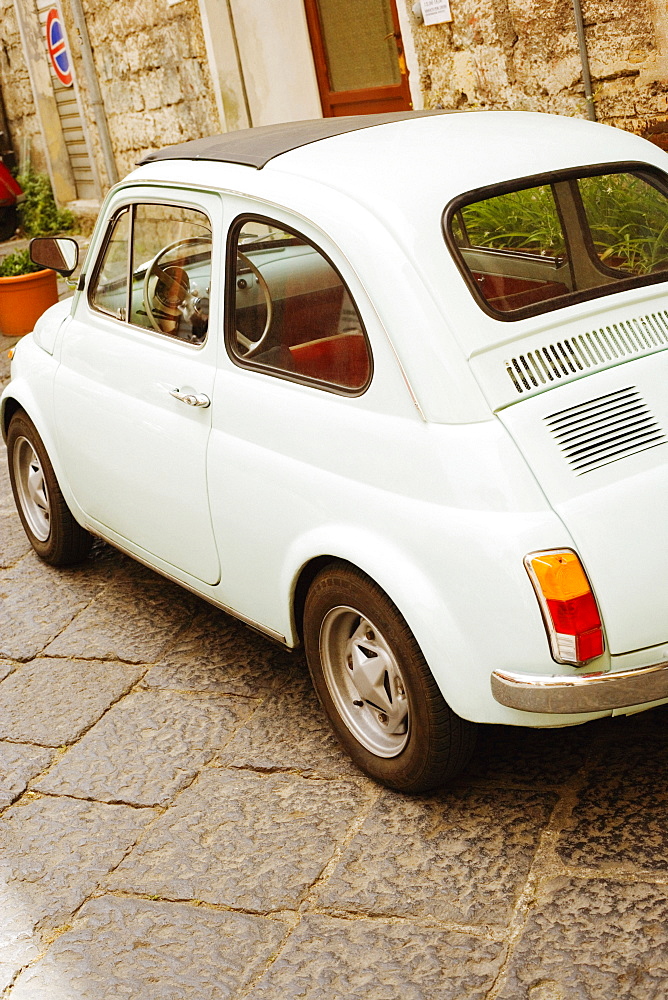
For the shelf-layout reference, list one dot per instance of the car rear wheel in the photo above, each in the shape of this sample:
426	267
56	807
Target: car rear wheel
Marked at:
53	533
376	687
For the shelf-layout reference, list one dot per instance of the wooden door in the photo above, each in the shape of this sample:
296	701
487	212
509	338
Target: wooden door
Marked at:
359	57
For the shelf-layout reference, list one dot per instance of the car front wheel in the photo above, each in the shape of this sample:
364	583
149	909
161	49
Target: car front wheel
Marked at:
376	687
53	533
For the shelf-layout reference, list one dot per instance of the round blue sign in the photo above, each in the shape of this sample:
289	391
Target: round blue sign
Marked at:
58	54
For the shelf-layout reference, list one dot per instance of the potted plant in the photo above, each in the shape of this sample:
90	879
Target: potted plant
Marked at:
26	291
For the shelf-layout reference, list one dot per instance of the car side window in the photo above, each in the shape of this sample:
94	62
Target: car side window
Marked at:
155	271
290	310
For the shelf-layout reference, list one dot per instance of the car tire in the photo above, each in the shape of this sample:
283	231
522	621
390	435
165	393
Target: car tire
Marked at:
52	531
376	688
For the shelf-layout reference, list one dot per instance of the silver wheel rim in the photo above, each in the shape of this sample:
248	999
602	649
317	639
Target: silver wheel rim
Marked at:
365	681
33	495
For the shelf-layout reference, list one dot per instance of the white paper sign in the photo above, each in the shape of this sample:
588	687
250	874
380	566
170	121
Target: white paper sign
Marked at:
435	11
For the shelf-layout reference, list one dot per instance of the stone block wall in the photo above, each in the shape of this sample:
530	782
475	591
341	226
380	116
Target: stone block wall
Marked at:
157	88
16	91
523	55
153	74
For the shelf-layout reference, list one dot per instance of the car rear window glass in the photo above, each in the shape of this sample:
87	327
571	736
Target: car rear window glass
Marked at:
540	247
628	221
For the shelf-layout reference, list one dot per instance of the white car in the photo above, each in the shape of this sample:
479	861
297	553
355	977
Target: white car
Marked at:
390	387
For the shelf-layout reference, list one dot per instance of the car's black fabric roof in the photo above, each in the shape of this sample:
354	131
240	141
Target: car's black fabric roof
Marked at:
254	147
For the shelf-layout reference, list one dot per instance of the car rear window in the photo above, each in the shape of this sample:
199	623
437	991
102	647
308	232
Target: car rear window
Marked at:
534	247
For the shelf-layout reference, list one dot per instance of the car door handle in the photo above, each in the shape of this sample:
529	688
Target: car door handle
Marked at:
191	398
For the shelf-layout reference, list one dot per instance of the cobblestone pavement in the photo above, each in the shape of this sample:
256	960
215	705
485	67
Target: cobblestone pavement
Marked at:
177	823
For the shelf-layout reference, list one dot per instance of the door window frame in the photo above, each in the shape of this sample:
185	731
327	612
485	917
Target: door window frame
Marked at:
127	200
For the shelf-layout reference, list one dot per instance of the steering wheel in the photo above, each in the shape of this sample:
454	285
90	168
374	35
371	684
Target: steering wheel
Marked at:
253	346
171	297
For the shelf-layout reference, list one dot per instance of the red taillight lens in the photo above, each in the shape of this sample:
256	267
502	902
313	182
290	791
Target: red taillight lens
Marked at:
577	615
589	645
569	607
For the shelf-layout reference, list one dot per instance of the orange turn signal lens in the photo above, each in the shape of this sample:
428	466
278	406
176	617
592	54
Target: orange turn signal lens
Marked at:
560	575
569	608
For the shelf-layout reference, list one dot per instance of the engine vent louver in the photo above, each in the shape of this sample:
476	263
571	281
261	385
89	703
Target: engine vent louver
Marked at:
571	356
604	430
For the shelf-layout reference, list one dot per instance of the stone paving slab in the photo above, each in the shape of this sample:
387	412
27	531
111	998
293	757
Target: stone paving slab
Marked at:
462	856
331	959
18	764
219	654
14	542
621	817
131	620
239	839
146	748
65	697
138	948
39	601
589	939
54	853
289	731
6	497
19	945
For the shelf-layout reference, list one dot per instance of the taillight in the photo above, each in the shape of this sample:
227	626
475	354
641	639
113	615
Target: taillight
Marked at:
568	605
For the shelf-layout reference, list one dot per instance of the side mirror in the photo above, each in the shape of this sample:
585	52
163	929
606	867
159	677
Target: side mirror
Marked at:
59	253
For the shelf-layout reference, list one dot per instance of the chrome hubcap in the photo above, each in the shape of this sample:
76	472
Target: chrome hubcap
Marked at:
365	681
31	487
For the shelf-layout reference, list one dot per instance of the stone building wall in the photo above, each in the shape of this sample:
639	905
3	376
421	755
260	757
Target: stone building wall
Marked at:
157	86
153	73
16	91
523	55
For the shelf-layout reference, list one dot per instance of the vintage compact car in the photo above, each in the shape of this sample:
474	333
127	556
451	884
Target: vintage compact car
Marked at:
390	387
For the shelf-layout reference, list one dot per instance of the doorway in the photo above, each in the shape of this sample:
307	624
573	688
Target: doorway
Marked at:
359	56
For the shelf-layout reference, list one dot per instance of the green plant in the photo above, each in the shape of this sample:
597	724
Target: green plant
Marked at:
628	219
38	213
626	216
525	220
17	263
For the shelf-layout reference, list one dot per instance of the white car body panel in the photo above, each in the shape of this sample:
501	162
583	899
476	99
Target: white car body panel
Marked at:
47	326
614	513
436	481
147	483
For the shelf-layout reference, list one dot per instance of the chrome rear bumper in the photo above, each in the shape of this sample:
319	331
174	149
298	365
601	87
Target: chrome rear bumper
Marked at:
559	695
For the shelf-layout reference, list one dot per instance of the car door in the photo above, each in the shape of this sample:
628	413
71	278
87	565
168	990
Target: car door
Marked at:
136	376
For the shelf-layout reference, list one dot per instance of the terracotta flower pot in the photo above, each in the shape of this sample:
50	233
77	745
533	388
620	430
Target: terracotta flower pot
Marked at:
23	299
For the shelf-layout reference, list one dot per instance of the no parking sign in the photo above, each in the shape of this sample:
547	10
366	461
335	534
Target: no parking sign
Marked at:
58	54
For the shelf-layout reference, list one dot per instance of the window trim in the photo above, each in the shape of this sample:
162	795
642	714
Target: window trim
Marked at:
91	285
131	207
230	299
660	180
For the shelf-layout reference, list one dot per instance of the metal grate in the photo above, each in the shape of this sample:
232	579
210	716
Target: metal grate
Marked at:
605	430
588	351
